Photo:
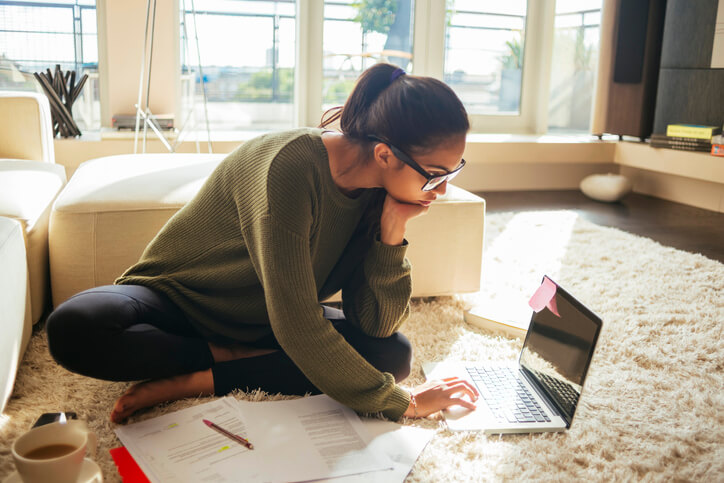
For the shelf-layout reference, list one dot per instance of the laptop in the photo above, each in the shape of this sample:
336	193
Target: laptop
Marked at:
540	393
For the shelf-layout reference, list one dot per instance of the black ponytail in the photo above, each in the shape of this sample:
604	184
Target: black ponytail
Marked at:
414	113
367	89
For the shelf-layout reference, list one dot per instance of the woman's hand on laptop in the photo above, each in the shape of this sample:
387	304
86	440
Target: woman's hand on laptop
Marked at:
436	395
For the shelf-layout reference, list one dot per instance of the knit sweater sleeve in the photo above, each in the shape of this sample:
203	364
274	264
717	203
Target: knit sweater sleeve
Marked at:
376	297
283	263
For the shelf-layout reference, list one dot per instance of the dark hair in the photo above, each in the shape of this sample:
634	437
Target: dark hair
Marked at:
414	113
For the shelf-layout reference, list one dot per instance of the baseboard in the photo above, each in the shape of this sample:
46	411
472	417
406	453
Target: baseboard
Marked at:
521	176
689	191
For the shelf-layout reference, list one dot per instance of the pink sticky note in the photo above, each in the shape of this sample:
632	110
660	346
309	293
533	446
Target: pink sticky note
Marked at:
545	296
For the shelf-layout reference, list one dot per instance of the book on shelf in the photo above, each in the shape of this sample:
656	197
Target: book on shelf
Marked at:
663	138
694	131
717	149
681	146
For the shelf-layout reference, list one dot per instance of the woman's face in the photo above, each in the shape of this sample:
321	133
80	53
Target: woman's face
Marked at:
405	184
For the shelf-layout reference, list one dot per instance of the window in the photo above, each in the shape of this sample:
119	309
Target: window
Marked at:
575	61
37	35
497	56
484	48
519	66
247	52
358	34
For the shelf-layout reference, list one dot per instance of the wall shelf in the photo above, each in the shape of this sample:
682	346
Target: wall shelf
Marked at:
689	164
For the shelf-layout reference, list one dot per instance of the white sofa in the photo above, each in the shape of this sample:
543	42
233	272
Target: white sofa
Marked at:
14	304
27	192
113	206
29	182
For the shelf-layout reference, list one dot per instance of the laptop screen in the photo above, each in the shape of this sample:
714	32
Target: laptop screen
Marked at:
558	350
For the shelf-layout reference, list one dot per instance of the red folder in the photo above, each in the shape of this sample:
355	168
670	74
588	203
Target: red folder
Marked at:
127	467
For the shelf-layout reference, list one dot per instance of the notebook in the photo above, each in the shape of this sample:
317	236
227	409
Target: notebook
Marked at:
540	392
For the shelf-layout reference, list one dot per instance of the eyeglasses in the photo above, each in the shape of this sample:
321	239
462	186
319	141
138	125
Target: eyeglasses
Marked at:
433	180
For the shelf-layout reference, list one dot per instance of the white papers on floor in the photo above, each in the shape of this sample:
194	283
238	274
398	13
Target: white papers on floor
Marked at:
175	448
294	440
403	444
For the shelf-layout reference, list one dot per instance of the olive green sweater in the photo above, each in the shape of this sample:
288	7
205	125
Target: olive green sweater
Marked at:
267	237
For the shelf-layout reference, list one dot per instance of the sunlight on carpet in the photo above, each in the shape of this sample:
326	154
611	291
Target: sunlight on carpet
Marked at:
548	233
4	420
652	408
552	231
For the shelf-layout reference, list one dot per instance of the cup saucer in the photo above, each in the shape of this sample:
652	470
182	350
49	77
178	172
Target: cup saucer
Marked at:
89	473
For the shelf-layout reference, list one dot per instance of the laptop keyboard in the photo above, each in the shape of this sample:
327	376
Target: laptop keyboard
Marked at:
507	397
564	392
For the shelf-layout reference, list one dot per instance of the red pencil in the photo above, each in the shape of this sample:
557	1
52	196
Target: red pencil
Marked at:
228	434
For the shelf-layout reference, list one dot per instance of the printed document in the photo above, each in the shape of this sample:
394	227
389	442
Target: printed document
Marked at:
294	440
403	444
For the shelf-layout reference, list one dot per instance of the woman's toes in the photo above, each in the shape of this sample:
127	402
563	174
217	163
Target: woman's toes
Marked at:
120	410
125	405
149	393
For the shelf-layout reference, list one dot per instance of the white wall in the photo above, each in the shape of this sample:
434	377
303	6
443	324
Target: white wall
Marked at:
122	26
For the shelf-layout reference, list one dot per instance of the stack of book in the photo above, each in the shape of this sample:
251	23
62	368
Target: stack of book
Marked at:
686	137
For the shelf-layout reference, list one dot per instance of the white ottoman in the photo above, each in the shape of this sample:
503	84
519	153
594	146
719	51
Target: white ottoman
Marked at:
113	206
15	319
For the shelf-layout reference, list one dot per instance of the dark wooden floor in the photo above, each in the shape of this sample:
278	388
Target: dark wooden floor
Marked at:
671	224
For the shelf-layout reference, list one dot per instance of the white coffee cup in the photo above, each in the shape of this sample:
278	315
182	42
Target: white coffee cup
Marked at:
63	468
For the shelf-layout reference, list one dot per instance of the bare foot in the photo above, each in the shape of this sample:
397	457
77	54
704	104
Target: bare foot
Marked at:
222	353
149	393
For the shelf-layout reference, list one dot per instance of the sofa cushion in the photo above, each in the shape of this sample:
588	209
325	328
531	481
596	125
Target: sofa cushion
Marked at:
27	191
28	188
26	128
130	182
111	208
15	316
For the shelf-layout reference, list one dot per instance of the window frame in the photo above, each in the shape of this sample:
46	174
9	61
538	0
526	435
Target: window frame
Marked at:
428	51
538	53
428	59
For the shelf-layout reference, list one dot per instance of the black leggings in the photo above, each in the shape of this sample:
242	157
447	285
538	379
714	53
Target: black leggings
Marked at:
131	333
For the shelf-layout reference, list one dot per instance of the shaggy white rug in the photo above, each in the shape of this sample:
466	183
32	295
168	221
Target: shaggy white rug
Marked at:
653	406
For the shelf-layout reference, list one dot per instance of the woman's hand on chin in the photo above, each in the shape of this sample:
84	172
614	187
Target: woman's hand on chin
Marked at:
395	215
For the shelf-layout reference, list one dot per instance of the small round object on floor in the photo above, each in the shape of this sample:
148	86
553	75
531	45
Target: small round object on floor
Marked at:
606	187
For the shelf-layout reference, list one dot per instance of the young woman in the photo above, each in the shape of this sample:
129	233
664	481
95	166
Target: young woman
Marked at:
227	295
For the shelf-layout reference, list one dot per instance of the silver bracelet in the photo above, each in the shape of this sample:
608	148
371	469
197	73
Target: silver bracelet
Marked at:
413	401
